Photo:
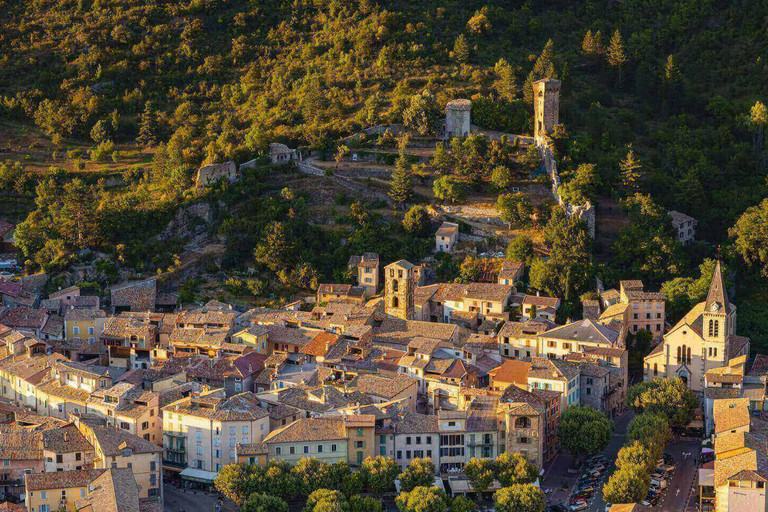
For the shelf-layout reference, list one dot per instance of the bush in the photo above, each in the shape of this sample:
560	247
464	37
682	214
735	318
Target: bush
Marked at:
103	151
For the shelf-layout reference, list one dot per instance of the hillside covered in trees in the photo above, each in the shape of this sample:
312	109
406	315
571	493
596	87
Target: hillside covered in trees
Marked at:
664	98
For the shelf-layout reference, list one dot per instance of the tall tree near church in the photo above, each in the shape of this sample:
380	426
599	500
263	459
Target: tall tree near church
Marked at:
630	168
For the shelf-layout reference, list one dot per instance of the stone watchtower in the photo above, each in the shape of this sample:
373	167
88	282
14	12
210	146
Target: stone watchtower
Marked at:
398	289
457	118
546	107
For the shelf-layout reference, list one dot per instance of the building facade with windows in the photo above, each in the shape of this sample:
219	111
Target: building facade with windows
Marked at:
203	431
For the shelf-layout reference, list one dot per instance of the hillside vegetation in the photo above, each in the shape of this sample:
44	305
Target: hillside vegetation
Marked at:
663	97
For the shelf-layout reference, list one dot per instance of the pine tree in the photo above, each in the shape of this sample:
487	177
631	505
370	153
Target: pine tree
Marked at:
401	189
148	126
671	72
616	55
588	44
630	172
506	82
598	44
544	61
542	68
461	49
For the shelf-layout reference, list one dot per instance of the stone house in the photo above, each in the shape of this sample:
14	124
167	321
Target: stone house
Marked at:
511	272
636	308
523	424
209	174
446	237
467	305
21	453
521	339
560	341
458	122
330	439
367	267
201	431
58	490
537	307
281	154
345	293
685	226
116	448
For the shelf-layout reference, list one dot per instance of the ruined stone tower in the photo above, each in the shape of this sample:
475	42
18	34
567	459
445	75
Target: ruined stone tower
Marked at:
546	107
458	118
398	289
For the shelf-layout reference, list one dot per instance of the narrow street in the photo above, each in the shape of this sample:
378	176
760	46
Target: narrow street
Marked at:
597	504
557	474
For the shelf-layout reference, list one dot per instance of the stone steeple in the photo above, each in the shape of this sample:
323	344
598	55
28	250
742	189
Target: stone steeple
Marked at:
717	297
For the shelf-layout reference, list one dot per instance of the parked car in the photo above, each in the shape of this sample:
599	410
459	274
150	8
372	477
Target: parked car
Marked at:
582	505
587	488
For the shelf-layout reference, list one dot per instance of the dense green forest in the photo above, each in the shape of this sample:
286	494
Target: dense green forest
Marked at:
664	98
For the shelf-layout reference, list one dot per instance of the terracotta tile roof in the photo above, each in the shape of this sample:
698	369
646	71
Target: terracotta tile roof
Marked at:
540	301
309	429
269	316
113	440
379	386
7	506
71	290
71	315
396	331
123	327
415	423
246	450
557	369
731	414
136	295
447	229
54	326
340	289
289	335
511	372
736	345
585	330
205	316
525	329
20	318
759	366
20	443
679	218
590	308
242	407
62	479
55	388
367	259
740	456
115	490
490	292
320	344
510	269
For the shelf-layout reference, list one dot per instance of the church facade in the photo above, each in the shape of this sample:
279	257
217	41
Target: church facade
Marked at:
703	339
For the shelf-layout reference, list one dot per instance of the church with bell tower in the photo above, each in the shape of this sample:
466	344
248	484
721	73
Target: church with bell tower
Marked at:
703	339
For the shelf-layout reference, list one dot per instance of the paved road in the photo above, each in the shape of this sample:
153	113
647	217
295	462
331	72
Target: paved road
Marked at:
556	473
176	500
679	490
597	504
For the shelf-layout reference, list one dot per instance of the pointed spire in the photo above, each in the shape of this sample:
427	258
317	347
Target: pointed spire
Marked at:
717	297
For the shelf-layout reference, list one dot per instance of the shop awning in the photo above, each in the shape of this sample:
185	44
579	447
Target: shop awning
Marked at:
198	475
